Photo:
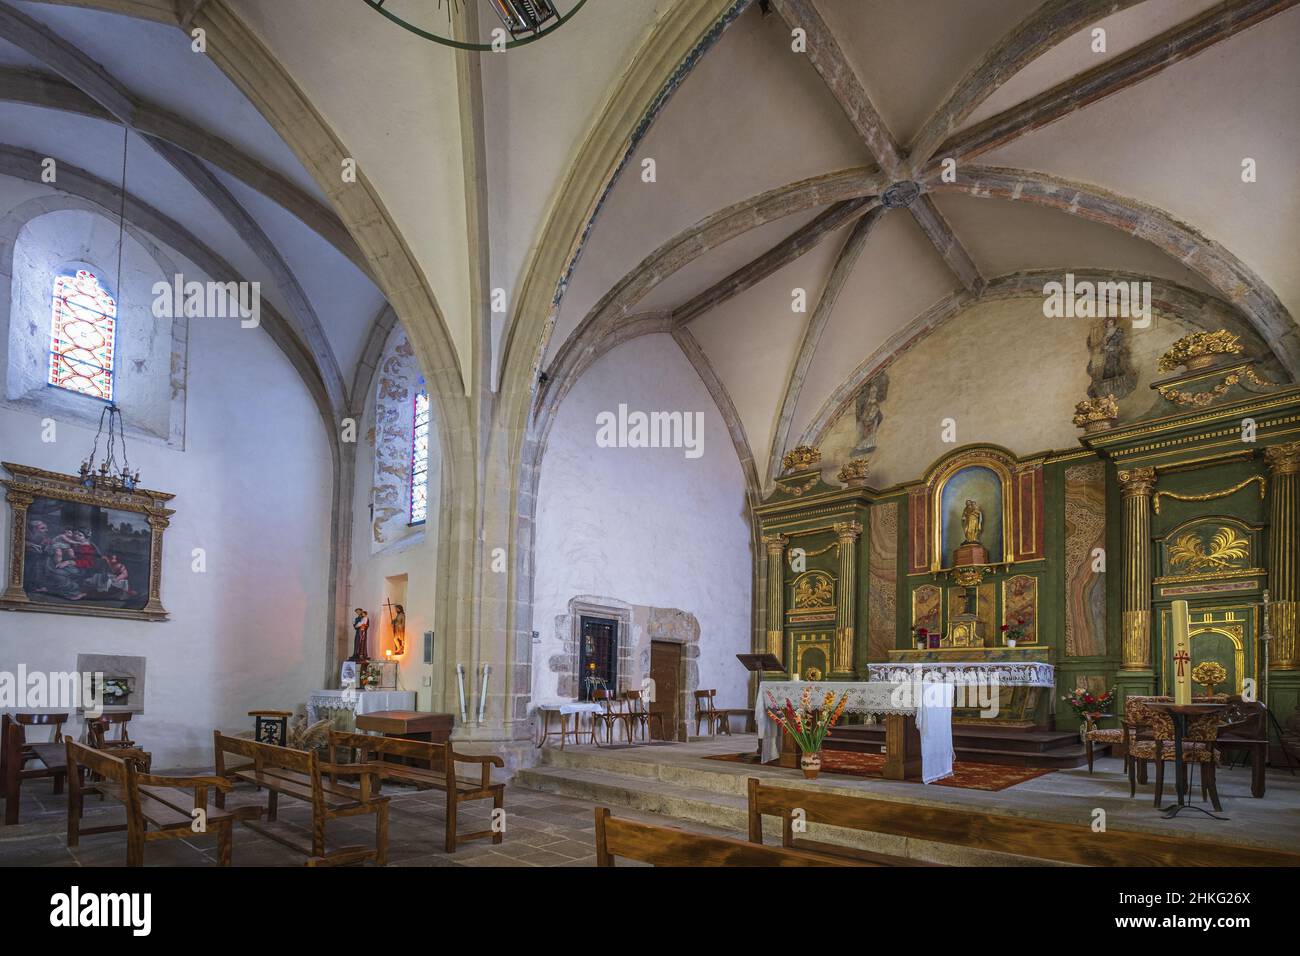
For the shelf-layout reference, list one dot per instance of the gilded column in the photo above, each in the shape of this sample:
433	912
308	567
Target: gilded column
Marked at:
18	502
1284	554
775	544
846	533
1137	485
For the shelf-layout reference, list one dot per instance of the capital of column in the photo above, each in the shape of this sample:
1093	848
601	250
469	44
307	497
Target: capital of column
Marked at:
775	543
848	530
1137	482
1283	459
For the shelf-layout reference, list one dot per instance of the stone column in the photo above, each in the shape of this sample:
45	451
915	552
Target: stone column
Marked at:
1284	554
847	533
1137	485
775	544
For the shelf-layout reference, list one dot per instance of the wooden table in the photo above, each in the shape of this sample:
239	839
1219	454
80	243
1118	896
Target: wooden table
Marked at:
576	710
1179	714
902	749
408	724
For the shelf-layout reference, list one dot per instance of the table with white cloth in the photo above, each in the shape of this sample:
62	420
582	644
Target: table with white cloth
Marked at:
918	722
344	705
564	711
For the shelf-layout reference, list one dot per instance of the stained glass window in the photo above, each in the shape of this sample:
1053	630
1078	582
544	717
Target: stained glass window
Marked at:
420	457
81	336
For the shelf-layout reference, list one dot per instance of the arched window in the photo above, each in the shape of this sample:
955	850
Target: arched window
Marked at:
420	456
82	330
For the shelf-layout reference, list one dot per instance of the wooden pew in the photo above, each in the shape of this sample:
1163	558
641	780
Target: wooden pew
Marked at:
297	774
16	753
157	807
1045	840
384	755
671	846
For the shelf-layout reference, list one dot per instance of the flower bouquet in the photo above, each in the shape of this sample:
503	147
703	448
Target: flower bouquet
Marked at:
808	728
1014	632
1089	706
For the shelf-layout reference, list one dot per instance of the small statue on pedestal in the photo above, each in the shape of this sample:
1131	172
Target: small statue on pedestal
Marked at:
360	631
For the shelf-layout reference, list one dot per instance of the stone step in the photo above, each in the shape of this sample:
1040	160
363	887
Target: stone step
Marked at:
574	775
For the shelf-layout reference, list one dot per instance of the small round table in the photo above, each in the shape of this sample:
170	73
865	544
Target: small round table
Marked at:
1179	714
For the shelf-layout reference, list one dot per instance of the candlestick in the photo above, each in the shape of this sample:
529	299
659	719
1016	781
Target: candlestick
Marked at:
1182	654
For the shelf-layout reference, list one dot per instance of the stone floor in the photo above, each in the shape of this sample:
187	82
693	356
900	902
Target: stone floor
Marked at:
541	830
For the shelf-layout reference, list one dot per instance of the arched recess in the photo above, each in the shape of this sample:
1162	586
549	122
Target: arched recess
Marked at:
1168	298
1236	281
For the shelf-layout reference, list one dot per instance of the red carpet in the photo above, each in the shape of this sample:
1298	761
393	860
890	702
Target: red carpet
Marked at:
965	775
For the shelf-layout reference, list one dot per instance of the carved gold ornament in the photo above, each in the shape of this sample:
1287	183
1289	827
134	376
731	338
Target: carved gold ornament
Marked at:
801	457
968	577
814	591
1092	412
854	473
1226	547
1212	495
1209	673
1199	349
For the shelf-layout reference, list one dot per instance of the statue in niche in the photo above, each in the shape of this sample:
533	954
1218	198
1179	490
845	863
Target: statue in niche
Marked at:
360	631
399	630
972	522
869	414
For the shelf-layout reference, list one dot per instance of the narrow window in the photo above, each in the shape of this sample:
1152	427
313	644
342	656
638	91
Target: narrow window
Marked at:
420	457
82	329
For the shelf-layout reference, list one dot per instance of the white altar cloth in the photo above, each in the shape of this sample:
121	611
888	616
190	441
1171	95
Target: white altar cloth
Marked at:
1004	673
930	703
323	703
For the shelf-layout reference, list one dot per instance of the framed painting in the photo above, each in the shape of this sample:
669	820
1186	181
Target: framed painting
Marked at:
78	550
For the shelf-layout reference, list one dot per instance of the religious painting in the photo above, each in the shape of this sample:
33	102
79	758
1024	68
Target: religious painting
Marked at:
970	510
77	550
1085	535
1020	603
927	608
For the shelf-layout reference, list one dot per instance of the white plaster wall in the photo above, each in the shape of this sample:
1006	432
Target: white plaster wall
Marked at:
646	525
410	551
253	489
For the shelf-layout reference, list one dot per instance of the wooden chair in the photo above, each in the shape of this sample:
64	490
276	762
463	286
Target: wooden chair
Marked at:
672	846
386	755
1243	726
1049	841
157	808
16	752
1198	750
608	716
99	737
1137	728
297	774
640	716
706	713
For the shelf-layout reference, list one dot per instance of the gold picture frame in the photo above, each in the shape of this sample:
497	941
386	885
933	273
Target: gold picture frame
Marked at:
79	550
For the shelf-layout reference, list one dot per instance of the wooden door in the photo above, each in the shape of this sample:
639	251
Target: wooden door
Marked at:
665	671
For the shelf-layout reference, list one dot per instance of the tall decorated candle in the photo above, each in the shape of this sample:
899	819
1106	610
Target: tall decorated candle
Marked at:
1182	654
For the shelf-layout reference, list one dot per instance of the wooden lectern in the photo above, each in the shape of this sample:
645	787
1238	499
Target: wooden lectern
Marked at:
759	664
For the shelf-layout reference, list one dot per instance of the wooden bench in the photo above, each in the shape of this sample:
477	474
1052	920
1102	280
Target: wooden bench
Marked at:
297	774
16	753
157	807
384	755
671	846
1045	840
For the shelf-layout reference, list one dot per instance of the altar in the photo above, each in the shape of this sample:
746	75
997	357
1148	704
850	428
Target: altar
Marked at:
998	685
918	721
346	704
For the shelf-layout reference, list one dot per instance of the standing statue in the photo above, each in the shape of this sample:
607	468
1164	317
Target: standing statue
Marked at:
360	631
399	630
869	414
972	522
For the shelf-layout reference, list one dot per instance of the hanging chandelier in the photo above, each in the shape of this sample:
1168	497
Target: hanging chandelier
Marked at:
107	474
521	21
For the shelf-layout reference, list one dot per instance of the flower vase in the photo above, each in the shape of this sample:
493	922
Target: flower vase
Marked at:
811	763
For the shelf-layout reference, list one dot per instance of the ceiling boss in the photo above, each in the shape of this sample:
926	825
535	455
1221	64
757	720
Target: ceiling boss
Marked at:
512	23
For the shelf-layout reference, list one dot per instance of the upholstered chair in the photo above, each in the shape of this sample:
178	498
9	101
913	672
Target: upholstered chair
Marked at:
1198	750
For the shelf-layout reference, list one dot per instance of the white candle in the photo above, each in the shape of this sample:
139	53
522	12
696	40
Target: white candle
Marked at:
1182	654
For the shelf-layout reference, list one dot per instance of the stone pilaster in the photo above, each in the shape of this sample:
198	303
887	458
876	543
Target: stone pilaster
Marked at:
775	545
1284	553
1137	485
847	533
